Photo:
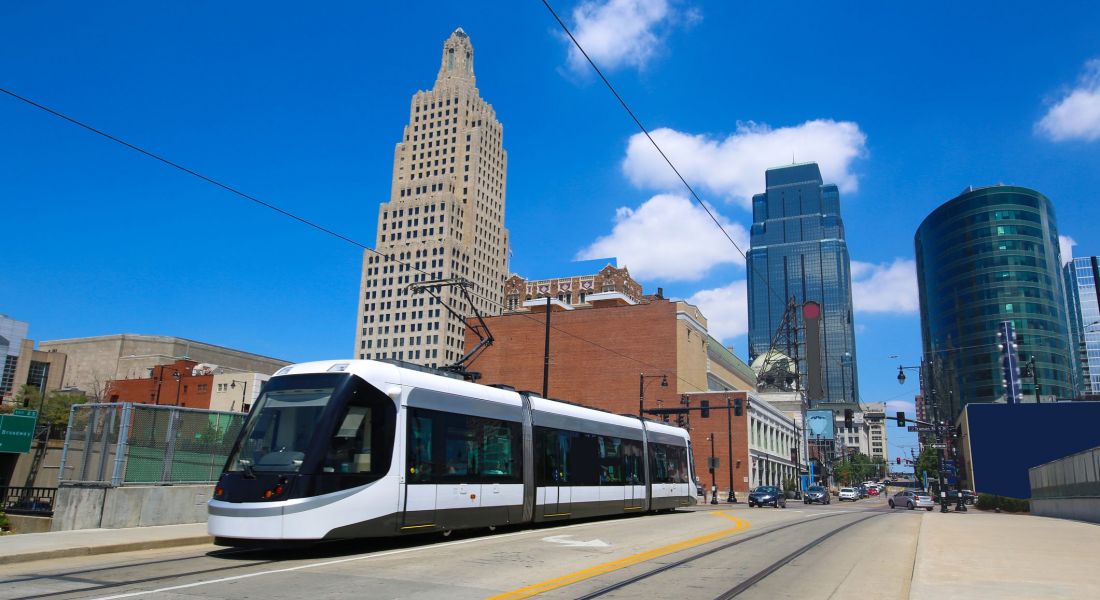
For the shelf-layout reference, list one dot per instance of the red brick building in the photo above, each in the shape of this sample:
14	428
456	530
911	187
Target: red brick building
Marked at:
175	384
600	357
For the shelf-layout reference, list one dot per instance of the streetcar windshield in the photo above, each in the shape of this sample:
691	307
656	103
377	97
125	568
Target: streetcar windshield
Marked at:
280	429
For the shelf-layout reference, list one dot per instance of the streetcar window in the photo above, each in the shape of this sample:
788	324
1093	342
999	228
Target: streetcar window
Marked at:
467	449
611	461
279	432
669	463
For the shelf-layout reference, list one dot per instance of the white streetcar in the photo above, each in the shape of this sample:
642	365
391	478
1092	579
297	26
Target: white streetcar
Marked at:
349	449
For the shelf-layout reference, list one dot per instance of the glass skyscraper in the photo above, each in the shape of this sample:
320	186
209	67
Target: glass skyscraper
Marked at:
797	250
987	256
1081	275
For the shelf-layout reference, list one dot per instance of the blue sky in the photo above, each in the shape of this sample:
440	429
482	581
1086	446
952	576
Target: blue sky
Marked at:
903	104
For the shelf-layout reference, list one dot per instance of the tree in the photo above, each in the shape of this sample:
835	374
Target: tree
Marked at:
55	410
929	461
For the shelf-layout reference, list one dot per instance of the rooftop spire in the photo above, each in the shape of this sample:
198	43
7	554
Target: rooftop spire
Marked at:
458	58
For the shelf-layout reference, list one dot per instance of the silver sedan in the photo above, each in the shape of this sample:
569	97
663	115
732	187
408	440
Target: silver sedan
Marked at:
911	500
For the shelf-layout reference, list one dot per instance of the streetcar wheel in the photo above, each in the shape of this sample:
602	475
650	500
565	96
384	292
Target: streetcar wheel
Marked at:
447	532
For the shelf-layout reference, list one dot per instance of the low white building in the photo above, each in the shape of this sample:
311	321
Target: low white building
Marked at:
774	444
236	392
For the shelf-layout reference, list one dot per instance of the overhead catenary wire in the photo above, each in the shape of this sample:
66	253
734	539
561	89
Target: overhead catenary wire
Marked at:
316	226
657	146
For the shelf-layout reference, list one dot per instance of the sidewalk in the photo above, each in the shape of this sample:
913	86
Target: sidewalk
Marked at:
979	555
59	544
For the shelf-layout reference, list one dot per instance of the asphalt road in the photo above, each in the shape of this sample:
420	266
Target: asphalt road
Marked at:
842	550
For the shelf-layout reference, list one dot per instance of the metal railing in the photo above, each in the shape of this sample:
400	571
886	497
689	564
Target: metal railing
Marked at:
120	444
32	501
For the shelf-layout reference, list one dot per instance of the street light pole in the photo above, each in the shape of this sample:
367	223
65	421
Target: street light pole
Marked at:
641	390
244	390
713	476
729	436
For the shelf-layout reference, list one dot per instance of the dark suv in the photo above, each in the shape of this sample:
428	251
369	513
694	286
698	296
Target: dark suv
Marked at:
816	493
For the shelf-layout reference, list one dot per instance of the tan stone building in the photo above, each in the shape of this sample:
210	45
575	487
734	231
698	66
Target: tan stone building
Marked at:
92	362
444	219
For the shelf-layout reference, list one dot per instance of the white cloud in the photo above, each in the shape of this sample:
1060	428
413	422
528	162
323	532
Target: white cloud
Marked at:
669	237
885	288
734	167
1077	115
1065	247
906	406
619	33
726	309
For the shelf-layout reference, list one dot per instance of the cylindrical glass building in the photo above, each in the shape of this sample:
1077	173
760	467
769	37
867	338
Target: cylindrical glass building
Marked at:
987	256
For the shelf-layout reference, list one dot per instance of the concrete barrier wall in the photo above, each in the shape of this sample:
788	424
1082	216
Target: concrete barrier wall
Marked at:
1079	509
131	506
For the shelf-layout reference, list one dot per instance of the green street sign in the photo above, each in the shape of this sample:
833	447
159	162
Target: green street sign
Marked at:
17	431
25	412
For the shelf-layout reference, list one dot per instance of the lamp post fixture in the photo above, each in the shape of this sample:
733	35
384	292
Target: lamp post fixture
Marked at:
244	390
641	390
176	375
1033	372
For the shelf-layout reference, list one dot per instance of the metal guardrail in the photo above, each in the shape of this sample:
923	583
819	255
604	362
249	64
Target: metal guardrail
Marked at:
119	444
34	501
1074	476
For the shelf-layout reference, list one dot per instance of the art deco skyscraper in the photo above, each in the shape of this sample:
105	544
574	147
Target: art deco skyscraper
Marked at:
798	251
445	218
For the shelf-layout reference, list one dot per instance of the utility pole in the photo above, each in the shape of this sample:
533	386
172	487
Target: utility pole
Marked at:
546	354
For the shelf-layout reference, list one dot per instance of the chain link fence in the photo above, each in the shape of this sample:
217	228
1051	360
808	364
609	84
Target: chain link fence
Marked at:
133	444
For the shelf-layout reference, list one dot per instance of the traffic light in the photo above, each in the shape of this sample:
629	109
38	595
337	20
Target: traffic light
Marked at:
680	420
899	460
901	419
737	411
849	418
704	411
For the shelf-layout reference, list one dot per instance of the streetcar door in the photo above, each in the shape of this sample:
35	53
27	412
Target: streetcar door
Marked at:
558	493
420	490
633	475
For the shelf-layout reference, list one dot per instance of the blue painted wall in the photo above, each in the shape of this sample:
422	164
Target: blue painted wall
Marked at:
1007	440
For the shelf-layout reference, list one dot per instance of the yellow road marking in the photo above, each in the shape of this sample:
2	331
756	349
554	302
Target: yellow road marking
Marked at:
564	580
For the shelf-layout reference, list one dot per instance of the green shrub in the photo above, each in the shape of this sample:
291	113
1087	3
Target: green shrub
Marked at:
992	502
5	524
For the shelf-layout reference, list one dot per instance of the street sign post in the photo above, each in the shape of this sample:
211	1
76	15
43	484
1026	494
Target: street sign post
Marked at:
17	430
937	446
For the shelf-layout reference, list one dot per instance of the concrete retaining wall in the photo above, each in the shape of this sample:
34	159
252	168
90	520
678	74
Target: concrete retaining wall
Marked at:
27	524
1078	509
131	506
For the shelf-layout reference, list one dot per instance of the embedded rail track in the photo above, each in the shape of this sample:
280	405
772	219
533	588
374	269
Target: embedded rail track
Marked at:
756	577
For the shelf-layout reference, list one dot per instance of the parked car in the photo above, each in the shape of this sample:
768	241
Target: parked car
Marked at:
912	499
816	493
847	493
969	496
872	491
767	494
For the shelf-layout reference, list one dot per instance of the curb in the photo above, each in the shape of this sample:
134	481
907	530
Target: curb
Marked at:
105	549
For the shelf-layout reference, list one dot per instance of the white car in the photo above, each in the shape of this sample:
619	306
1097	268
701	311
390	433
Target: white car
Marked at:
848	493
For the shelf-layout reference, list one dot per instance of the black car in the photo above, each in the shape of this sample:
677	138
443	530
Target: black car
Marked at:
767	494
815	493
